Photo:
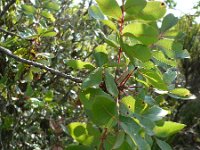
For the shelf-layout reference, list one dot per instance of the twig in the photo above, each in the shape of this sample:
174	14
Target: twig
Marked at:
39	65
103	137
10	33
5	9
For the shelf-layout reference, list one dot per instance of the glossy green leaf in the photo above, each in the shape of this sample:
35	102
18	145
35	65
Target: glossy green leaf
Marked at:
109	41
104	111
129	127
48	96
154	79
119	140
83	133
48	15
138	51
163	145
110	84
159	56
155	113
94	79
127	106
52	6
101	55
28	76
142	32
87	96
170	75
181	54
110	8
49	34
182	92
169	128
96	13
154	10
128	123
146	123
78	64
169	46
110	24
28	9
169	21
133	7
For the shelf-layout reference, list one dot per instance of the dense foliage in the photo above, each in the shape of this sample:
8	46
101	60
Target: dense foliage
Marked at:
117	74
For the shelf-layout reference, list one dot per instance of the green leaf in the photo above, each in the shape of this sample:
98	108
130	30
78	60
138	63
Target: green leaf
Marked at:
101	55
133	7
48	15
110	84
155	113
181	54
104	111
154	79
169	128
78	64
52	6
28	76
93	79
182	92
96	13
119	140
127	106
128	123
159	56
142	32
110	8
170	75
28	9
129	127
110	24
83	133
138	51
87	96
49	96
163	145
154	10
169	46
49	34
169	21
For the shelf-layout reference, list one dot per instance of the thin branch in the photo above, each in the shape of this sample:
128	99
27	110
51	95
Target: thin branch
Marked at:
39	65
9	33
5	9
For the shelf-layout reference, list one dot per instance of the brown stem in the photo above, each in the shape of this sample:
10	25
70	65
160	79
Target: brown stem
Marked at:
121	25
39	65
103	137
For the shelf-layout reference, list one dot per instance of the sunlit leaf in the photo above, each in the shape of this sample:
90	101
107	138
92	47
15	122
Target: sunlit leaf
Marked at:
154	10
78	64
28	9
110	8
142	32
133	7
96	13
168	128
84	133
